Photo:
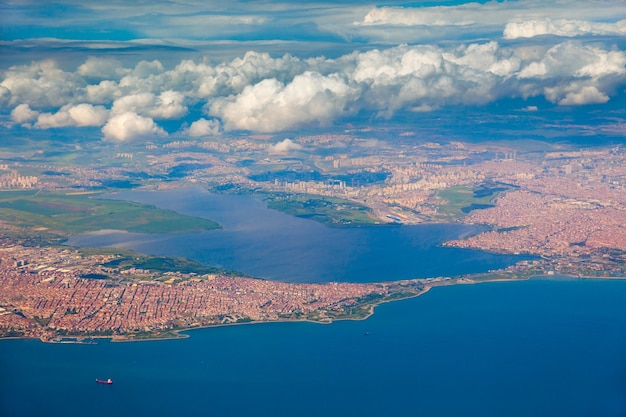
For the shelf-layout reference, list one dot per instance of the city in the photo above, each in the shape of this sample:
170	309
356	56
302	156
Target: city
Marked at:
563	206
45	295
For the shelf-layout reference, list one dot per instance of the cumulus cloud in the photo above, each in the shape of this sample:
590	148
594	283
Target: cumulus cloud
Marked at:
145	69
130	126
168	105
561	27
384	67
80	115
106	91
285	146
137	103
271	106
23	114
41	84
424	77
204	127
573	59
102	68
586	95
258	92
87	115
58	119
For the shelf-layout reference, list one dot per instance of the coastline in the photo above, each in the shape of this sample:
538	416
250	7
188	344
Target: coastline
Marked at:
181	333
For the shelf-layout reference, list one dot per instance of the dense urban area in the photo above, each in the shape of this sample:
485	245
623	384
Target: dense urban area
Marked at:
564	206
59	298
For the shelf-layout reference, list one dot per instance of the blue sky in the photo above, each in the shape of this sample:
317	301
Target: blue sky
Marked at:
201	68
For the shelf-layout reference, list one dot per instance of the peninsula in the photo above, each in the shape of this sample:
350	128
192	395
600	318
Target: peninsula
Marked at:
51	293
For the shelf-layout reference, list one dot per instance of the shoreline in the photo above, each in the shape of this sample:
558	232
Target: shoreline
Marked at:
174	334
180	332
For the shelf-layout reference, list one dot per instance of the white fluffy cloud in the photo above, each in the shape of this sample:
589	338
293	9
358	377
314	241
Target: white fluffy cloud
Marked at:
102	68
145	69
202	80
576	93
41	84
23	114
106	91
80	115
204	127
561	27
130	126
271	106
425	77
258	92
168	105
285	146
586	95
573	59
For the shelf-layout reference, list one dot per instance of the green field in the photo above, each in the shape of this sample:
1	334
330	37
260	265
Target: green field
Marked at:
331	211
162	264
68	214
458	201
124	259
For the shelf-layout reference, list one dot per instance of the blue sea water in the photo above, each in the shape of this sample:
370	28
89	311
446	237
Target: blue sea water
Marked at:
517	349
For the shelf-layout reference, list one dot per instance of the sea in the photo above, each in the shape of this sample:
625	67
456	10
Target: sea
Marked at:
549	346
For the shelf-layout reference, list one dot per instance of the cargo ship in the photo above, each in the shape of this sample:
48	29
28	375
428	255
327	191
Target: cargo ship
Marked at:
104	381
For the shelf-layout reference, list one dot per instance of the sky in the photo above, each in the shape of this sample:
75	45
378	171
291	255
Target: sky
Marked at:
135	71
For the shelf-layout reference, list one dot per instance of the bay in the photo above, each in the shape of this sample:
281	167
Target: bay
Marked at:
269	244
517	349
